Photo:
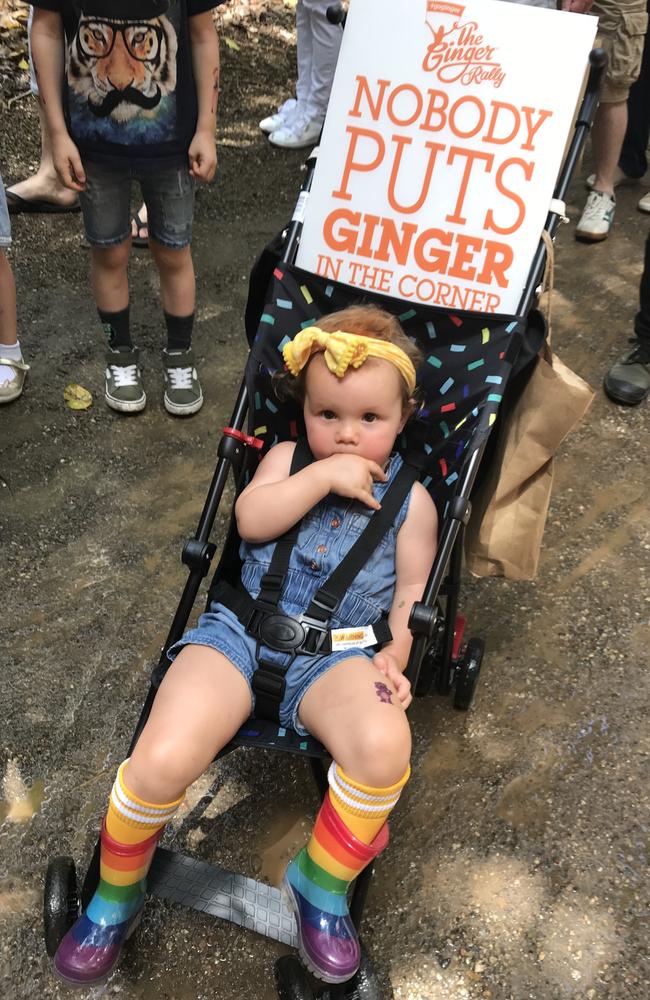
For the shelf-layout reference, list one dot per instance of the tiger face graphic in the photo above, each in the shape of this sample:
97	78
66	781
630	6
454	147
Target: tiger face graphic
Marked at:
123	67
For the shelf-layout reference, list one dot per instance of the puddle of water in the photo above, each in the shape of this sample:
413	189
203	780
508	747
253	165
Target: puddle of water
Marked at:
540	714
17	901
444	754
287	833
20	801
524	801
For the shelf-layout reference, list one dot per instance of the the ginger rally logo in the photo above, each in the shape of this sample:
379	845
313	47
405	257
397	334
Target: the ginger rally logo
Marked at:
459	54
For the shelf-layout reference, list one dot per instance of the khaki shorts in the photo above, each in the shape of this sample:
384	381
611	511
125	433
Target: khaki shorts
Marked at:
622	26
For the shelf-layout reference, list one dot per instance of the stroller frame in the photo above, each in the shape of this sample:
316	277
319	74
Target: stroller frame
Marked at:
433	663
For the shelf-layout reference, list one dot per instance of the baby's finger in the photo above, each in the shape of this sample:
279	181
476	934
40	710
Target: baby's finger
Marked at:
365	496
377	472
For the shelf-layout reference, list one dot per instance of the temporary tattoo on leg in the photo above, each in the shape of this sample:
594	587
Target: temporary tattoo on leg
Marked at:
384	693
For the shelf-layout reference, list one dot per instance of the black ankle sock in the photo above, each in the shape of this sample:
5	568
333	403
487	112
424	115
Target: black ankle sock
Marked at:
179	332
116	327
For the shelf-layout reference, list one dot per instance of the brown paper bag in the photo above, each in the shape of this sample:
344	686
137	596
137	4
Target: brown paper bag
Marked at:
504	535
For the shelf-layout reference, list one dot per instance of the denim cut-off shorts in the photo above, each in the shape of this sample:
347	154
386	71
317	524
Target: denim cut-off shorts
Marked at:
5	224
168	193
220	629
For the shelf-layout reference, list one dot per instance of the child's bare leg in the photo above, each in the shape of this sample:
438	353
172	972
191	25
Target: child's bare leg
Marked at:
201	703
14	369
355	712
109	277
177	281
183	394
8	327
44	185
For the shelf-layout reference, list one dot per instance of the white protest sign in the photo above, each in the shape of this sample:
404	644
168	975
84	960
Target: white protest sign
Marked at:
444	136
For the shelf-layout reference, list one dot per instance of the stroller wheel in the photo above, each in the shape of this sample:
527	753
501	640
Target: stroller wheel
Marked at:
292	980
467	673
60	901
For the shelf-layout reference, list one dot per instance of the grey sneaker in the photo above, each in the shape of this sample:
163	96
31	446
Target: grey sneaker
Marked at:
628	381
183	395
597	217
123	388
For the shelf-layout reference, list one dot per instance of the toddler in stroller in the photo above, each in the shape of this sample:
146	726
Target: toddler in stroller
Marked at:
309	545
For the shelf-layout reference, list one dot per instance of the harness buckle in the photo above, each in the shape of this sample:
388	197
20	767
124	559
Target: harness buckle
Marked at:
316	634
280	632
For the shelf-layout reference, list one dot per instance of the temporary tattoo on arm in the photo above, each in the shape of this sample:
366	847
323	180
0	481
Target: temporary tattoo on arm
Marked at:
384	693
215	90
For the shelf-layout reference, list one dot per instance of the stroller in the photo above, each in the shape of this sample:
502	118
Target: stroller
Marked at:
470	362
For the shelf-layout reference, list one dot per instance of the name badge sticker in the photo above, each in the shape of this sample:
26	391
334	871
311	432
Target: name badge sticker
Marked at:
348	638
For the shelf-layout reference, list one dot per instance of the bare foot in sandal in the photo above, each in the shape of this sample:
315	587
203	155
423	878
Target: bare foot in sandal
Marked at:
140	228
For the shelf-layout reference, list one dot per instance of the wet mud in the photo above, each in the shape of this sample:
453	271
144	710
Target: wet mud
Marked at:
518	862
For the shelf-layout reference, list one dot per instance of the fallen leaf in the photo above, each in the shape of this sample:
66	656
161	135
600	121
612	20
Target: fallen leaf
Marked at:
77	397
23	64
232	44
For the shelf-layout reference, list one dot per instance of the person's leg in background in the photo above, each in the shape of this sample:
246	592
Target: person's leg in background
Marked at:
43	191
318	50
12	366
628	380
292	107
634	160
623	25
105	203
169	197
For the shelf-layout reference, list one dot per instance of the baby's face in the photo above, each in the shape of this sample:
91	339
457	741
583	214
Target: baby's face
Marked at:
359	414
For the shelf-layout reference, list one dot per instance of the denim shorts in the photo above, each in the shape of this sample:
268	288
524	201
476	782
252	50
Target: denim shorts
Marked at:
168	193
5	224
220	629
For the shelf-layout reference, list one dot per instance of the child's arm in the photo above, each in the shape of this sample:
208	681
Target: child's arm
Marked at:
49	61
417	542
273	501
204	43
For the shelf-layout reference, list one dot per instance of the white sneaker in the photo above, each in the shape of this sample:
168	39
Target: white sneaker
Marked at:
296	133
597	217
282	115
644	203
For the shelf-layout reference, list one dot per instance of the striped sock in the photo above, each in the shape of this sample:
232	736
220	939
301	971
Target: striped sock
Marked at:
364	810
130	819
129	839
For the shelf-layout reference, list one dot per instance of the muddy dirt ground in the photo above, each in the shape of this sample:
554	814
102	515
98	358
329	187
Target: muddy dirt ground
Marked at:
518	863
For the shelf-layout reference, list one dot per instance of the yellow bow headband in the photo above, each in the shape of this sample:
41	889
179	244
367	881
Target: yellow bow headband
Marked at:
342	350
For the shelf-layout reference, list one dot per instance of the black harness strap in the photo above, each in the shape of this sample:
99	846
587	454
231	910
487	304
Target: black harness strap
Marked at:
272	582
328	597
309	634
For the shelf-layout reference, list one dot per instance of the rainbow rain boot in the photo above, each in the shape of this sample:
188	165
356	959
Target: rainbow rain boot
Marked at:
91	949
329	945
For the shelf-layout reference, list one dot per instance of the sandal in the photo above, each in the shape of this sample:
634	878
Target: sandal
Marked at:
141	226
13	388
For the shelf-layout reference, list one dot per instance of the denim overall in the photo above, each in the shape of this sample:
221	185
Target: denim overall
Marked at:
326	534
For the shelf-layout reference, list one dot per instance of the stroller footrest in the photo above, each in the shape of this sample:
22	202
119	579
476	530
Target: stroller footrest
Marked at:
222	893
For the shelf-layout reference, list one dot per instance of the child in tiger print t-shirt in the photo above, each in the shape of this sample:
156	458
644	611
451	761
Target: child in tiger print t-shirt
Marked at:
129	89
